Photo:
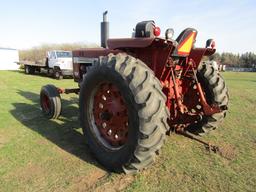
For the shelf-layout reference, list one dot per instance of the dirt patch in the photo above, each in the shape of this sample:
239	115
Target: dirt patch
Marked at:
42	141
254	142
119	183
85	183
2	141
227	151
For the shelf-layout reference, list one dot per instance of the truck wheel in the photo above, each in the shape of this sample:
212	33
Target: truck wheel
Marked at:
38	69
29	69
123	113
57	74
50	101
216	92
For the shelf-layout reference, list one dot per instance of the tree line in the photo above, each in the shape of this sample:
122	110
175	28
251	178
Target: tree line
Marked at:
38	53
247	60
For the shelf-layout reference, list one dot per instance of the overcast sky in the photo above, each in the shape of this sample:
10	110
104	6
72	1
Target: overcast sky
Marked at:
28	23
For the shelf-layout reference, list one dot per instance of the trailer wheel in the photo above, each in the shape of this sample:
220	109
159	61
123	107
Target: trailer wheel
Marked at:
123	113
50	101
29	69
216	92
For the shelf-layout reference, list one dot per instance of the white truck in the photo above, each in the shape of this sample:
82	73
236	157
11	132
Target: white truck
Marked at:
58	63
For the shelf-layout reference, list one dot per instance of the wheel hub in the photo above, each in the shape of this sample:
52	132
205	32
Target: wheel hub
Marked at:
106	116
192	100
46	103
110	115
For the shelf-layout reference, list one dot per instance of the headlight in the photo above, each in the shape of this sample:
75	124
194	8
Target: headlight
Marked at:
169	33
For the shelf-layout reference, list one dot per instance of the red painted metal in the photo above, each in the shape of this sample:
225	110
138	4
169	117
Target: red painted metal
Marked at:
157	31
46	103
213	45
208	110
93	52
177	92
68	91
156	55
110	114
129	43
196	54
186	98
61	90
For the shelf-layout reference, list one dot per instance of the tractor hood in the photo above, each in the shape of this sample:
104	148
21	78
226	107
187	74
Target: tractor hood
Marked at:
129	43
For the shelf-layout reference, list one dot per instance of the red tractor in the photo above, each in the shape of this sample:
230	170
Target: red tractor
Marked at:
133	91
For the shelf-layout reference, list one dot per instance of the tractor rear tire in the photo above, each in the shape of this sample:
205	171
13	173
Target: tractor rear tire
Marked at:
135	89
216	93
50	101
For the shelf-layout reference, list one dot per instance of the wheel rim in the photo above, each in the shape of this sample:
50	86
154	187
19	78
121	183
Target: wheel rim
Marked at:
110	116
45	103
192	98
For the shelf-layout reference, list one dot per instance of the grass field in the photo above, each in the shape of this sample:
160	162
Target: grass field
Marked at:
42	155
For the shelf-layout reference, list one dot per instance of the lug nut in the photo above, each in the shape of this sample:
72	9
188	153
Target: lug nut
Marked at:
100	105
104	125
109	132
116	136
104	98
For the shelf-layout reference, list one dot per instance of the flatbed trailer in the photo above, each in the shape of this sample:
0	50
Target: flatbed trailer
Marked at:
57	64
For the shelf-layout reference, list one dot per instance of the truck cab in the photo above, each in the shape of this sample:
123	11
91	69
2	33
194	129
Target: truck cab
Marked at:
60	62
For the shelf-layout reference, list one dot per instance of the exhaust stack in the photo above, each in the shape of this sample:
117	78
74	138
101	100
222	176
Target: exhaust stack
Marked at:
104	30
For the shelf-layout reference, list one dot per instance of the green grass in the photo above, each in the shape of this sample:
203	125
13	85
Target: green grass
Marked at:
41	155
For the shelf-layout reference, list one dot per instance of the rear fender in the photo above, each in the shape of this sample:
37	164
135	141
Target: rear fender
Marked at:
197	54
155	55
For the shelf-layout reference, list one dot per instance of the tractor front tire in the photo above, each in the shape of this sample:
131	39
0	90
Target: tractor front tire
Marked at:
123	113
50	101
216	92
